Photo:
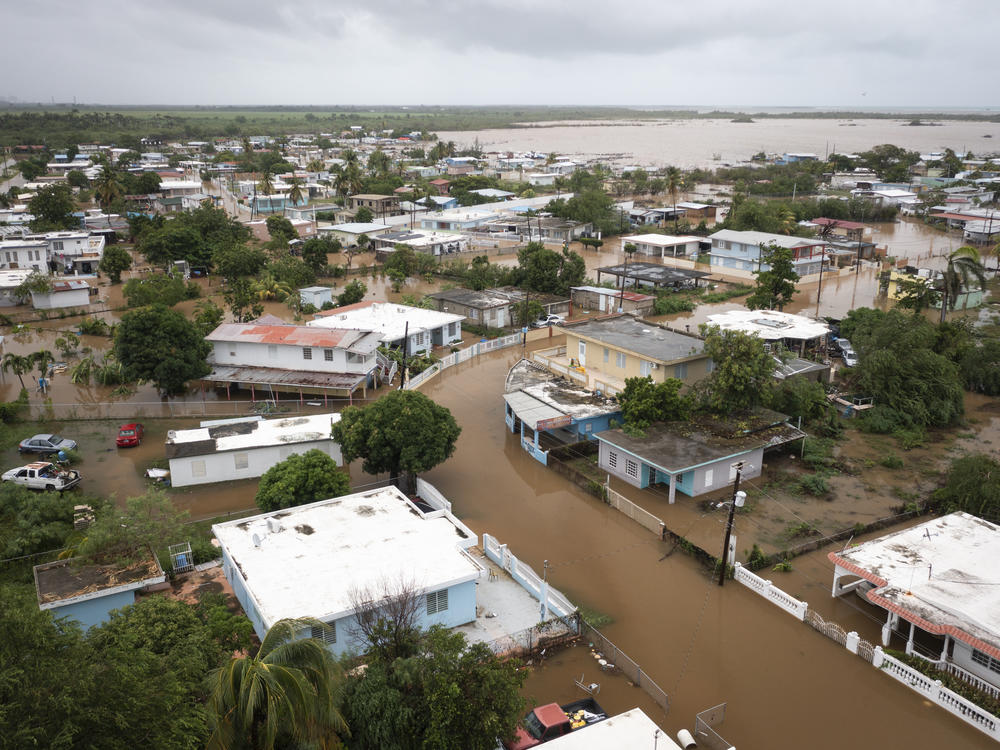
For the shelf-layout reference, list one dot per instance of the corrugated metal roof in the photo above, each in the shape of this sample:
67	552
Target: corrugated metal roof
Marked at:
529	409
343	338
339	381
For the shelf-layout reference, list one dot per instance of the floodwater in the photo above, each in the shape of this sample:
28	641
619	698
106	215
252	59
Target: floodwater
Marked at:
787	686
696	143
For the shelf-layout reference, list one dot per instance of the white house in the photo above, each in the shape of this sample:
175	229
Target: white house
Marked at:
9	281
939	577
29	254
424	329
296	359
632	729
220	451
349	233
742	251
70	252
662	245
317	560
317	296
65	293
429	243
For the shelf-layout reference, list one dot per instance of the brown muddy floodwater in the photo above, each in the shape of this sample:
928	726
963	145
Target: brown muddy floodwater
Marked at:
787	686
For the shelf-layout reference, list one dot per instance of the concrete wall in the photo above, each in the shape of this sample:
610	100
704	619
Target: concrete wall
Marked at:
53	300
243	595
600	357
95	611
221	467
250	354
710	477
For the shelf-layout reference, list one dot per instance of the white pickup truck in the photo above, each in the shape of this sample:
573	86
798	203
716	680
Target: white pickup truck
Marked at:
42	475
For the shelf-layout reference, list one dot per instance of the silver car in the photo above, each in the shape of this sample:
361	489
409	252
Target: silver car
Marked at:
43	444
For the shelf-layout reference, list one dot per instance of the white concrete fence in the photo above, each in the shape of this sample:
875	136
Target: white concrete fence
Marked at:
931	689
521	572
480	347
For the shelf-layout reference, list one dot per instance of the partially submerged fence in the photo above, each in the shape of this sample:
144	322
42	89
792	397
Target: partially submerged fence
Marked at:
611	654
704	728
637	513
771	592
480	347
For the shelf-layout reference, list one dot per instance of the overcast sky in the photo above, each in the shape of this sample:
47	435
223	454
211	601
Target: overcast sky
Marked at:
643	52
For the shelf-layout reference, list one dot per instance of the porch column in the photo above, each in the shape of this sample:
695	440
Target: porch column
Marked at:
300	397
324	398
253	398
944	649
673	487
887	629
909	642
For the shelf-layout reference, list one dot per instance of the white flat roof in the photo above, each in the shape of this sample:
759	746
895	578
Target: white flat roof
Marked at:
943	572
14	278
264	432
357	227
663	240
632	729
327	549
769	324
388	319
765	238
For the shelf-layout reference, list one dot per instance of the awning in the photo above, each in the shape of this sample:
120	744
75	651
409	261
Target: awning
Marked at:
531	411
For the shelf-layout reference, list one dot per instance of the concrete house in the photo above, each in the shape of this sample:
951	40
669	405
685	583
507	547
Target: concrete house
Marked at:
317	296
65	293
652	275
935	580
311	560
392	323
29	254
693	458
227	449
488	307
292	359
428	243
662	245
603	353
88	593
741	251
9	281
379	205
605	300
774	327
73	252
349	233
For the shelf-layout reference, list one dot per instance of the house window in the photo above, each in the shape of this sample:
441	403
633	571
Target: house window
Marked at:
419	339
681	371
612	459
57	245
631	468
709	476
620	360
232	351
986	660
328	355
241	460
452	329
198	468
607	353
437	601
645	368
307	352
272	351
326	632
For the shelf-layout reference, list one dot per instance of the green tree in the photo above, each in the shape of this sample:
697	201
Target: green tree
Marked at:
242	298
980	367
916	295
265	186
33	521
973	486
743	371
526	312
295	193
236	261
546	271
301	479
674	181
364	215
315	252
159	288
286	692
108	188
18	364
964	266
208	316
148	521
52	209
161	346
292	271
281	230
76	178
175	240
115	260
775	286
403	433
354	291
644	402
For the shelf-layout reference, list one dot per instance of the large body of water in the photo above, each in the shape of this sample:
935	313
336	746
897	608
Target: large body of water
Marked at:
691	143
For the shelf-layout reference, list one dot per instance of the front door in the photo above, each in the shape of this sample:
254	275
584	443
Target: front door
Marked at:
583	353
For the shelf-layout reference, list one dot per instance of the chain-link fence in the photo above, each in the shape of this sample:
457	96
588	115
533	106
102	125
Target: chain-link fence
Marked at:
614	656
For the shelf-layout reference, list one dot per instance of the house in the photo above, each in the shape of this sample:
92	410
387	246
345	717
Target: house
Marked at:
939	579
178	188
428	243
393	323
379	205
441	185
742	251
323	560
494	308
349	233
774	327
439	202
632	729
982	232
662	245
652	275
548	410
63	293
9	281
87	592
542	228
603	353
268	357
494	194
606	300
317	296
457	219
73	252
27	254
694	457
223	450
540	179
894	285
698	211
850	231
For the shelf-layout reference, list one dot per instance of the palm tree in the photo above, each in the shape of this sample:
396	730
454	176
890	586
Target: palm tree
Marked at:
267	288
315	165
295	193
674	179
963	266
265	185
107	189
995	252
42	358
17	364
288	688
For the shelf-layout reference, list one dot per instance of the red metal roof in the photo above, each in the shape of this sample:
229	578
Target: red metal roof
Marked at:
963	217
838	223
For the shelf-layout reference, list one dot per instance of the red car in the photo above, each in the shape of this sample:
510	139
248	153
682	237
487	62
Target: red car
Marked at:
129	435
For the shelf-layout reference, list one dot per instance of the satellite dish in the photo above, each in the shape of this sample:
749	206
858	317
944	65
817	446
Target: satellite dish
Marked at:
256	540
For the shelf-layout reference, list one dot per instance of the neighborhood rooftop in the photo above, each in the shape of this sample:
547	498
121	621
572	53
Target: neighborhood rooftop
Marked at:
653	273
294	560
250	432
643	338
350	338
769	324
389	319
69	581
531	387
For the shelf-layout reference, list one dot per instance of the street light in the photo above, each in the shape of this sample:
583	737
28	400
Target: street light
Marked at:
739	498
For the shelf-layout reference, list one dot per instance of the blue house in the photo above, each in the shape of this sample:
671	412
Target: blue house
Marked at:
88	593
549	411
331	559
439	202
741	251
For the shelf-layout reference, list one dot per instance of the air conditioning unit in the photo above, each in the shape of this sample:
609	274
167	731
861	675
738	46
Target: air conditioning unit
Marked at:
655	366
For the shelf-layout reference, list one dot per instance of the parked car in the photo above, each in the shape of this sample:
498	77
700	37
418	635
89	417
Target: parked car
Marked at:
549	320
850	358
42	475
43	444
552	721
129	435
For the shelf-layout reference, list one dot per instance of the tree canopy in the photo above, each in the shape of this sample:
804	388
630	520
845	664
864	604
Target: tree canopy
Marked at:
301	479
403	433
644	402
547	271
972	485
743	371
115	260
161	346
52	209
775	286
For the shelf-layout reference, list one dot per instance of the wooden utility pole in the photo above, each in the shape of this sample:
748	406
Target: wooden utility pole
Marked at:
729	524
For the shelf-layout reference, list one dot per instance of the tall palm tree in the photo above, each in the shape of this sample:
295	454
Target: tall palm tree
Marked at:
674	179
266	184
995	252
17	364
964	265
42	359
288	688
107	189
315	165
295	193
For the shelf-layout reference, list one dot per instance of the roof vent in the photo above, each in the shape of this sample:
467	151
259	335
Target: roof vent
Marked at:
256	540
274	525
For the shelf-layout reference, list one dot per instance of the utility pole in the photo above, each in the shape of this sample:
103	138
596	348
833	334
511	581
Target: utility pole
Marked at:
819	289
737	501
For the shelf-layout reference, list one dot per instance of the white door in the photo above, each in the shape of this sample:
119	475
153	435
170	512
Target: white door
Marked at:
583	353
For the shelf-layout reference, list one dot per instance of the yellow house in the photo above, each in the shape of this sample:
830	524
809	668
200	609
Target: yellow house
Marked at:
601	354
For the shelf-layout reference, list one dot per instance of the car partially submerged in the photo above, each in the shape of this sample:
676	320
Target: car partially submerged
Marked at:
42	475
129	435
45	444
549	320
